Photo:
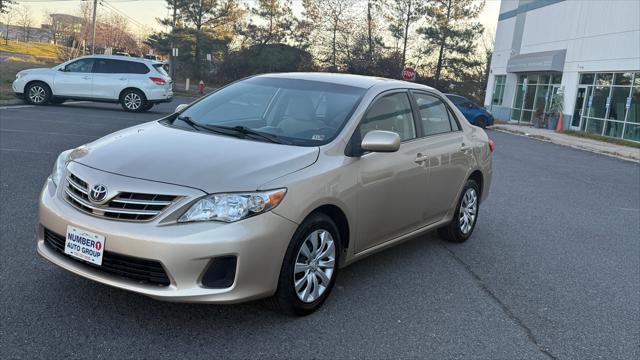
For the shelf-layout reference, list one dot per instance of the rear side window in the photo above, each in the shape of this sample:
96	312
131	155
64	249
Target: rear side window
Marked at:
434	115
109	66
390	113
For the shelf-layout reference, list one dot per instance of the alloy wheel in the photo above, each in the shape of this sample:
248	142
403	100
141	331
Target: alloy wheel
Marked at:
468	210
37	94
315	265
132	101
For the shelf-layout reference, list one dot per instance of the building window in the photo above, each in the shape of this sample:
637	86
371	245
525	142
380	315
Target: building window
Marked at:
498	89
612	104
534	93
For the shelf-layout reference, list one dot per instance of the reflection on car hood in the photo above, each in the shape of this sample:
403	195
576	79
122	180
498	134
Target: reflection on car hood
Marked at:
209	162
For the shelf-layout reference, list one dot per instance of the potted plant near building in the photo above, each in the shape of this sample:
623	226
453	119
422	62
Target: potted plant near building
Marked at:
555	109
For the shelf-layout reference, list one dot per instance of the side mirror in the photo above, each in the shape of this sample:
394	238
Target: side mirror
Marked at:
381	141
181	107
63	69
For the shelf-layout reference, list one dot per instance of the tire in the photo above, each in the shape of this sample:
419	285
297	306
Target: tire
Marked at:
148	106
458	231
312	291
481	122
37	93
133	100
57	101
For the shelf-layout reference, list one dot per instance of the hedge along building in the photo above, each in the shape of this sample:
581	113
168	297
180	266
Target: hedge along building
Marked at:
587	49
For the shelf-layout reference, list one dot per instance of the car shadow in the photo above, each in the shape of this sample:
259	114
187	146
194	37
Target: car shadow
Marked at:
354	282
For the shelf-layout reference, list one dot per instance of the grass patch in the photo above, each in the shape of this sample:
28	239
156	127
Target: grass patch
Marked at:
35	49
8	70
607	139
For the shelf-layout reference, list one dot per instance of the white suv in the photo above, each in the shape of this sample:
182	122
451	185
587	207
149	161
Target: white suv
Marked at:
136	83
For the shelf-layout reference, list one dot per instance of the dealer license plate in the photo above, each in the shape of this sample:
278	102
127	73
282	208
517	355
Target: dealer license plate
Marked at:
84	245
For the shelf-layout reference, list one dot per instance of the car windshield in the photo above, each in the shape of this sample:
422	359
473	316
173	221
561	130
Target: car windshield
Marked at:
300	112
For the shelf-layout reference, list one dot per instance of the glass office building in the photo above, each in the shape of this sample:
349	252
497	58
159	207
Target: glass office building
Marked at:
587	51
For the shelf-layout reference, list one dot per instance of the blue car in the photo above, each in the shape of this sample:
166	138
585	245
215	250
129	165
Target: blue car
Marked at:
476	115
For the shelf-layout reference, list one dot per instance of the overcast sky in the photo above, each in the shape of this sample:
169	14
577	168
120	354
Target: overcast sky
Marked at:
145	12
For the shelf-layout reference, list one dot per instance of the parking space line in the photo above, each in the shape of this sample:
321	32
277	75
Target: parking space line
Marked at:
44	132
16	107
28	151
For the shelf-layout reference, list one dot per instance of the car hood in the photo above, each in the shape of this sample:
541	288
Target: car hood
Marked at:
209	162
37	71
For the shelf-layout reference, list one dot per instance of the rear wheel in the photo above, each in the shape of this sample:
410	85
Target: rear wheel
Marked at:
133	100
147	107
465	216
37	93
310	267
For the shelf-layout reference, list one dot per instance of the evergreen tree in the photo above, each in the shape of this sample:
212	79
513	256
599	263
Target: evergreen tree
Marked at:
451	34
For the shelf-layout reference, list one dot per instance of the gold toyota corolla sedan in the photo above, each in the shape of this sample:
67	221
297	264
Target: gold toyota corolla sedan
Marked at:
265	189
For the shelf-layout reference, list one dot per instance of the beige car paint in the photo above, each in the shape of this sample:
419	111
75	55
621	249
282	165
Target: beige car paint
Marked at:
385	198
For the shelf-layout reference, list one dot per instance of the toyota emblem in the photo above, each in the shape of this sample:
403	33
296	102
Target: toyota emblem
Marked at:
98	193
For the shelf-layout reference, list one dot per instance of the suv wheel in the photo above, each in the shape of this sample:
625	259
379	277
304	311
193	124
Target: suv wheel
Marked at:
148	106
133	101
310	267
37	93
465	216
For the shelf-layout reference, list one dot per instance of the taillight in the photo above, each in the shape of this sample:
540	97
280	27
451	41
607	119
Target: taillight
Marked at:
491	145
157	80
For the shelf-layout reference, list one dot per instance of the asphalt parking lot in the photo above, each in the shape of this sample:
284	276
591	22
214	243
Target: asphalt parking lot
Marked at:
552	270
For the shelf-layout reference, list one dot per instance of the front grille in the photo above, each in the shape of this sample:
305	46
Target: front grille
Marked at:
133	268
124	206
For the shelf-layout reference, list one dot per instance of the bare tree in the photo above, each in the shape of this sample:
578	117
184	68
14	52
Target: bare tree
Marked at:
334	15
401	16
25	20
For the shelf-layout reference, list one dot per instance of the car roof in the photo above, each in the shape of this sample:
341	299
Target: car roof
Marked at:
360	81
120	57
455	95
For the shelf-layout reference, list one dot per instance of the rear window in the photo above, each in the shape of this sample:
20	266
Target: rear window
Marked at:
160	68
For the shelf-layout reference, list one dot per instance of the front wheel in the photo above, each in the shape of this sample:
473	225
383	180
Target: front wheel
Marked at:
309	268
37	93
133	101
465	216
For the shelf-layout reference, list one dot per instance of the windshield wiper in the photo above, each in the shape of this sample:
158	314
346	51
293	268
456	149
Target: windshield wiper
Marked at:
237	131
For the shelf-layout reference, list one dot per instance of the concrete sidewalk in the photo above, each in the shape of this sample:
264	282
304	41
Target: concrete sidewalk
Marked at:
600	147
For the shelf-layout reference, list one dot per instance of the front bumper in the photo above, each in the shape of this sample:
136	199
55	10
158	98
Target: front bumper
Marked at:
184	250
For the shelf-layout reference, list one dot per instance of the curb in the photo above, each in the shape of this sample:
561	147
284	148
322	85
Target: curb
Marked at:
578	147
12	102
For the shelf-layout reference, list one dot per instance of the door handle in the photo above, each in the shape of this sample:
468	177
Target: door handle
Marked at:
86	77
420	158
122	79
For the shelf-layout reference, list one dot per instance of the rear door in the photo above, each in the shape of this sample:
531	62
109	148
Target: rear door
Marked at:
110	78
75	79
448	154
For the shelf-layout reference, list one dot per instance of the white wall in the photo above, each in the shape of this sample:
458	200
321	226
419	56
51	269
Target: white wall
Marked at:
599	35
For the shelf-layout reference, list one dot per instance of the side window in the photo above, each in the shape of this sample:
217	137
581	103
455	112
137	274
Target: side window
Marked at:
137	68
80	66
454	124
390	113
434	115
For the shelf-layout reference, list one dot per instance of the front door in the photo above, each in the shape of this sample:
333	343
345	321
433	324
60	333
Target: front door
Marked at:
578	109
391	199
75	79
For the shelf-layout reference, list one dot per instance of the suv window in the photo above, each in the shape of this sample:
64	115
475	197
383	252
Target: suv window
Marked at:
81	66
109	66
390	113
434	115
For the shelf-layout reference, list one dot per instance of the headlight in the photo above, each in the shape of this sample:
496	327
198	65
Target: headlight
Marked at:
20	74
60	166
233	207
